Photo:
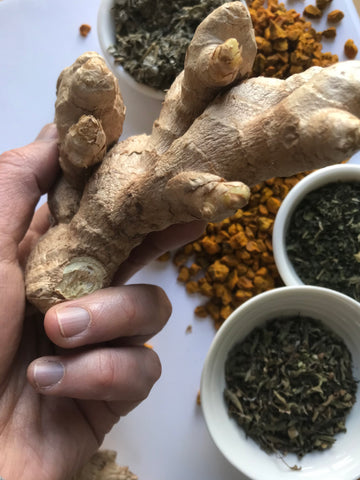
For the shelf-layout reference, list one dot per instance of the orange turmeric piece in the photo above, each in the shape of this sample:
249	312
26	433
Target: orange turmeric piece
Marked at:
350	49
329	32
312	11
218	271
84	29
322	4
335	16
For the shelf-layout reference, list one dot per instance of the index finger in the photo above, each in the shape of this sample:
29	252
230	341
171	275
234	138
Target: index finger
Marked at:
157	243
132	312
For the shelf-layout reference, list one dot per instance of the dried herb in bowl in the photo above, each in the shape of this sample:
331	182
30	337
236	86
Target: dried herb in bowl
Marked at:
323	238
152	37
289	385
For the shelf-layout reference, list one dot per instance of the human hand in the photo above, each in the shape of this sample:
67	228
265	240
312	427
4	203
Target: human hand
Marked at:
66	379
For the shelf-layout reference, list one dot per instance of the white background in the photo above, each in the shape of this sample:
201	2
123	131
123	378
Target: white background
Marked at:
164	438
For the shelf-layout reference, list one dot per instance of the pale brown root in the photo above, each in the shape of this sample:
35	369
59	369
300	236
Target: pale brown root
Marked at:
226	62
88	87
89	116
84	146
335	134
102	466
222	50
282	137
252	131
85	142
203	196
64	200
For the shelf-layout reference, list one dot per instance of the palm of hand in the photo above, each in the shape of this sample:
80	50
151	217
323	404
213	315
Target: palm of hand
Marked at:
49	429
45	430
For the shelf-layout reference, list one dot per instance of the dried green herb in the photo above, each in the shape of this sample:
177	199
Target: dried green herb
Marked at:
152	36
289	385
323	238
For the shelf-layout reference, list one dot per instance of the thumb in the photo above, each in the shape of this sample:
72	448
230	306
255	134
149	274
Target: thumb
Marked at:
25	174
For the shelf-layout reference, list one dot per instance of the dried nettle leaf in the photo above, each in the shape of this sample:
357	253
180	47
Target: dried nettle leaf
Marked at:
323	238
289	385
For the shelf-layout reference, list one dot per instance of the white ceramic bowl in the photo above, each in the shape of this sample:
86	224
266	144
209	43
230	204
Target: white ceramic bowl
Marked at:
342	172
342	315
106	35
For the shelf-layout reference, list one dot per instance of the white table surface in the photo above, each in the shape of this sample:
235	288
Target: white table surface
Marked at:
165	437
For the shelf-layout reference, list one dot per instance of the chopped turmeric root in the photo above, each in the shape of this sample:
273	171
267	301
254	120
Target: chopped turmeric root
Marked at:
287	42
350	49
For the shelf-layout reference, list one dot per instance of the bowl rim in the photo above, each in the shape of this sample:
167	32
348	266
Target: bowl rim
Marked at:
214	357
343	172
106	37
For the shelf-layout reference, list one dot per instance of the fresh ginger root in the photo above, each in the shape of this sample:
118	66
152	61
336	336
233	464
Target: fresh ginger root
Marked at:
218	133
102	466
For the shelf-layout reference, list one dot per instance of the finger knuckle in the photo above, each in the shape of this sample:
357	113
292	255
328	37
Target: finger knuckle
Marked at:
154	367
128	310
126	375
106	370
161	305
165	303
142	372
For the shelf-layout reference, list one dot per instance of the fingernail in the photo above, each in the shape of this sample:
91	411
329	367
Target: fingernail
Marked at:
48	372
49	132
72	320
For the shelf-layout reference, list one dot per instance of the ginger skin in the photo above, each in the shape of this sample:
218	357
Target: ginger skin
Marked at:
103	466
217	135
